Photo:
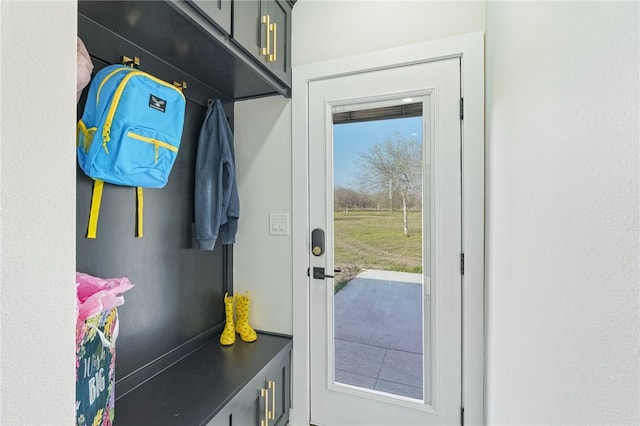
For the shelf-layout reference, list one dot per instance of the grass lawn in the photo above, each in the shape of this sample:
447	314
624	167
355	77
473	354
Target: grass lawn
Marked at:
374	240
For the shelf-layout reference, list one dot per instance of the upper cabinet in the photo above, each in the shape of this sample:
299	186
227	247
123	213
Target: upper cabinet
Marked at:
238	48
263	29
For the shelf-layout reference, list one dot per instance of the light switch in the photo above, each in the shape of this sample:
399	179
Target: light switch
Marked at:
278	224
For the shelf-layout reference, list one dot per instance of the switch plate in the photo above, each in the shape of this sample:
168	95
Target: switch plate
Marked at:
278	224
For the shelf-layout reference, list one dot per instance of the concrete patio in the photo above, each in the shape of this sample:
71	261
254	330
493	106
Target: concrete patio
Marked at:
378	333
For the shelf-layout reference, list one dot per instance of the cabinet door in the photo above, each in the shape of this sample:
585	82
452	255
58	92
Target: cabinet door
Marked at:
279	61
263	29
278	384
249	32
216	11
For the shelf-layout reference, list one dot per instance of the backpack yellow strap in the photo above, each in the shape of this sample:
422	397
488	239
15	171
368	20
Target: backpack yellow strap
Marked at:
96	199
140	204
95	209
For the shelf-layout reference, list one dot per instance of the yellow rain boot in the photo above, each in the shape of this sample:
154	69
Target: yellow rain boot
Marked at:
228	336
243	328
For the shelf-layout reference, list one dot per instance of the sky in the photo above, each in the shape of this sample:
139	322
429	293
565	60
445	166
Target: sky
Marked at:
351	138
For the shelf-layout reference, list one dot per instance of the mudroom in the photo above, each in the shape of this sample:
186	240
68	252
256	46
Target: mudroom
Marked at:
527	307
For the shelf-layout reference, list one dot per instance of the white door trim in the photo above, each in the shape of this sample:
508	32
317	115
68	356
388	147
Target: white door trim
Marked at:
470	47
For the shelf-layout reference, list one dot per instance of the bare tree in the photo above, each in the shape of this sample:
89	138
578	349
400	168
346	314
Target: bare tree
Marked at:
393	165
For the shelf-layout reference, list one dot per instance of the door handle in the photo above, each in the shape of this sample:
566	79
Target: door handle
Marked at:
271	384
274	30
266	51
318	273
264	393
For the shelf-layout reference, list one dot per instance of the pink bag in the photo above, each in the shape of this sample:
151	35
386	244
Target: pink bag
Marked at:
84	68
96	333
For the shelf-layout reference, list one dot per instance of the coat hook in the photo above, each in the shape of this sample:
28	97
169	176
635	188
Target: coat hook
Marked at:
133	63
209	102
179	85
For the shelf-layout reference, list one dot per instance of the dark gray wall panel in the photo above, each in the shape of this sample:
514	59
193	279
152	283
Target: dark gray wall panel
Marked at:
178	290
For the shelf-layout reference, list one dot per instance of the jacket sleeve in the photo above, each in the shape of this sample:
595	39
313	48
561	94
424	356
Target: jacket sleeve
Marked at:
231	207
231	213
208	182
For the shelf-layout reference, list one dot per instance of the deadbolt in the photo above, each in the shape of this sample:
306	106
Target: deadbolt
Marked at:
317	242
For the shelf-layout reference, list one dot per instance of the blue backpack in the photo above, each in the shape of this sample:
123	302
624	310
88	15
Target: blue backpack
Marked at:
129	133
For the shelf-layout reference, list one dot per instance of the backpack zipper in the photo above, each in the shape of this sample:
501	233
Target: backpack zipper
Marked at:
117	70
116	99
155	142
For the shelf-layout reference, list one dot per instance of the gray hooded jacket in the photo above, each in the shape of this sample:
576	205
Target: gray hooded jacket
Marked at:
217	205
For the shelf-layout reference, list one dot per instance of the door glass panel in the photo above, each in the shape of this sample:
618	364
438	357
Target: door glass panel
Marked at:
381	222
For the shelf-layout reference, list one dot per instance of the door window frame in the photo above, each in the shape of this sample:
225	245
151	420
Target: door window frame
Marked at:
470	48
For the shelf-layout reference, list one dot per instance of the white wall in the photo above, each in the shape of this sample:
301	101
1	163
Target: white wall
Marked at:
37	215
563	213
262	262
331	29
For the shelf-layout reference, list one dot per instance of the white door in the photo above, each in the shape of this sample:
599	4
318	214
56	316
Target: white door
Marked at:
386	348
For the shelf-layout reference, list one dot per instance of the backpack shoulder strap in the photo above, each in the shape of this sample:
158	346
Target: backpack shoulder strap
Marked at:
96	200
